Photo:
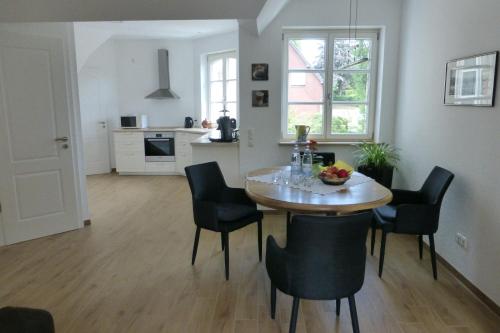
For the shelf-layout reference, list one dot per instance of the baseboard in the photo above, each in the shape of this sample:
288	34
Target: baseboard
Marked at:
87	222
473	289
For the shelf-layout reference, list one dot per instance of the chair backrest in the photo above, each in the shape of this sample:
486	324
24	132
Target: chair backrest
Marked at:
435	186
329	255
205	180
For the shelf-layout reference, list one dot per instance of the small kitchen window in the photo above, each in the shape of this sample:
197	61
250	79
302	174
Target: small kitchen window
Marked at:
222	85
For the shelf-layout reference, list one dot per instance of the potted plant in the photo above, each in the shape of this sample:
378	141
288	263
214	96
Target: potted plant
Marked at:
377	160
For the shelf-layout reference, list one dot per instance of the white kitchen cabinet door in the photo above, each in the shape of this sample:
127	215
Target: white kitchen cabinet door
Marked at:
37	176
129	150
184	150
183	161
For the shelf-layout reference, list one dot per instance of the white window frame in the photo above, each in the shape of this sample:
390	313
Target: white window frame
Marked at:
329	35
213	57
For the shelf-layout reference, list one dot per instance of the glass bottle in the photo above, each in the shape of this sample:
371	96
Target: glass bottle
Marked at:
295	163
307	162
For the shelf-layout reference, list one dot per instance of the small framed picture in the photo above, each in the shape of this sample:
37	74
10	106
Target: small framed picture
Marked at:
260	72
260	98
471	81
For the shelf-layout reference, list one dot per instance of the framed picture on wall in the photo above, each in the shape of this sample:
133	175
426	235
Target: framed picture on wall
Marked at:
471	81
260	98
260	72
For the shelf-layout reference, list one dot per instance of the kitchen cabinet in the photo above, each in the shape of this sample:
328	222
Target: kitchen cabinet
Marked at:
183	150
129	150
130	154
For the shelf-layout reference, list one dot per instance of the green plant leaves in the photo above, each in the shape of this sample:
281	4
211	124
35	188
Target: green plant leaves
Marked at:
377	155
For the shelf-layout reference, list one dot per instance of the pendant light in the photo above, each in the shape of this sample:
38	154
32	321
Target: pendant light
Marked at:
361	60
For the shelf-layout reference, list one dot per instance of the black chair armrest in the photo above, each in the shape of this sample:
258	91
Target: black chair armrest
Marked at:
277	262
236	196
400	197
205	214
419	219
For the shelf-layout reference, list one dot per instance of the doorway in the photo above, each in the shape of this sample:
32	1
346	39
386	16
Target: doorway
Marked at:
94	122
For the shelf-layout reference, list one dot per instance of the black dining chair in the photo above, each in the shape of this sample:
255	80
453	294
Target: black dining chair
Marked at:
324	259
219	208
414	213
25	320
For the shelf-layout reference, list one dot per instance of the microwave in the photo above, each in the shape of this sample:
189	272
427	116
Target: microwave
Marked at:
140	121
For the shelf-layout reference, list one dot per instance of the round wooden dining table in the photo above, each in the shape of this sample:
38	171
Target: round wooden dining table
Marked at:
281	197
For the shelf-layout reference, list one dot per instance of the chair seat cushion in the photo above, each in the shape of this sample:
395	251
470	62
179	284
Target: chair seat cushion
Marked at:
235	216
385	217
229	212
387	212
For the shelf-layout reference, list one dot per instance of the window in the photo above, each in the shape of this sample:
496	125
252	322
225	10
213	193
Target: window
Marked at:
222	85
329	84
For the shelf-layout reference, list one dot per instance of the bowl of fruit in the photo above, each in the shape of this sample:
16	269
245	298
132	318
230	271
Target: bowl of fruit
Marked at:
334	176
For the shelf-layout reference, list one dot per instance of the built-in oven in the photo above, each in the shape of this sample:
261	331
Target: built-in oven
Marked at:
159	146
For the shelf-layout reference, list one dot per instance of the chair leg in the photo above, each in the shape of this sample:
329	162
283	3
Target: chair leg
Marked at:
420	246
273	301
337	306
374	231
259	237
354	314
222	241
433	256
295	314
225	236
382	254
195	247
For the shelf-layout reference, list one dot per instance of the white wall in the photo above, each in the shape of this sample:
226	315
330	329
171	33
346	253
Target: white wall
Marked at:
103	62
464	140
137	76
267	48
201	48
87	41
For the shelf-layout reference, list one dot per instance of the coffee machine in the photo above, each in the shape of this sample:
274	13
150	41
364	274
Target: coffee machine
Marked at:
227	128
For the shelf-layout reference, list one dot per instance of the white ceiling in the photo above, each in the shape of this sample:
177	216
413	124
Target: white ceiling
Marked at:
174	29
118	10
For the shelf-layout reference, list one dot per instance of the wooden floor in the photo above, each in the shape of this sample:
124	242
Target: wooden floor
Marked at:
131	272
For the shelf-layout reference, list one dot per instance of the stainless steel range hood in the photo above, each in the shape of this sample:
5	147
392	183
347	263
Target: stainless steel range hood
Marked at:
163	67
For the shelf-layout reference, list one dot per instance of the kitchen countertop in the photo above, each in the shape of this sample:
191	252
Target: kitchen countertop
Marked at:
201	141
164	129
204	141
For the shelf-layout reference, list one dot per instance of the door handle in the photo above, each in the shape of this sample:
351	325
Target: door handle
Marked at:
102	123
61	139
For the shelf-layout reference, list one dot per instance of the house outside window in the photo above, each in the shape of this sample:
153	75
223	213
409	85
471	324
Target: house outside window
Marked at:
222	85
329	84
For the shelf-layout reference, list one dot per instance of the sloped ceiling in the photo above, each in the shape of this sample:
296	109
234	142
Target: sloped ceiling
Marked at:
118	10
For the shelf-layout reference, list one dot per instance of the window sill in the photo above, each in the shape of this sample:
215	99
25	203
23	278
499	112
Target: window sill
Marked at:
324	143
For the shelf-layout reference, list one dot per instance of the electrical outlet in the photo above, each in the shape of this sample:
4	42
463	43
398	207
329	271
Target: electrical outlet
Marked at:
461	240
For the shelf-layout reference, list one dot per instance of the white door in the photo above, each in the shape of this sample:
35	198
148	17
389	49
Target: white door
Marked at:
37	178
94	126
